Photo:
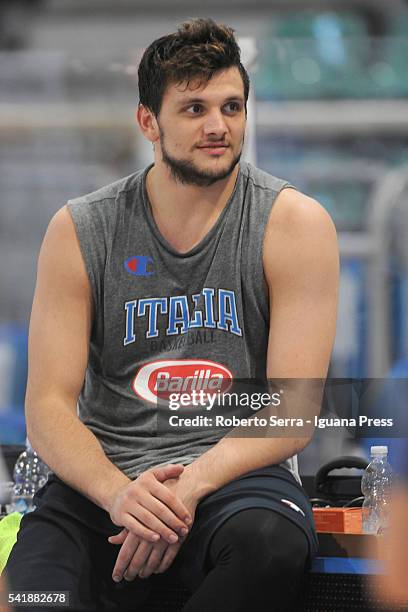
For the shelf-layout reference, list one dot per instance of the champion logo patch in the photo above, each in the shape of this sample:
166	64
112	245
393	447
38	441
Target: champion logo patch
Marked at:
139	265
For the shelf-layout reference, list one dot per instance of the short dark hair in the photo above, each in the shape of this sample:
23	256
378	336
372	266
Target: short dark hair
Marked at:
198	50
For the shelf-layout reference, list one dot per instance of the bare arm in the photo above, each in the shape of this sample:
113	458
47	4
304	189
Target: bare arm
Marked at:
301	267
60	325
60	328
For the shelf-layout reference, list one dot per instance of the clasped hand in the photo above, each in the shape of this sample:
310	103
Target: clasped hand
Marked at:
156	511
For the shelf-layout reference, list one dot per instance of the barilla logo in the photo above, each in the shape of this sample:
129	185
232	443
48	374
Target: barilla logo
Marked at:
159	379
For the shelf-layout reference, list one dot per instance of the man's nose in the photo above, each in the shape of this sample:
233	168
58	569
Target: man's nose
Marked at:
215	124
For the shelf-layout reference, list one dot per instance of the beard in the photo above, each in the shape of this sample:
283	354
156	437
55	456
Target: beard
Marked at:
185	171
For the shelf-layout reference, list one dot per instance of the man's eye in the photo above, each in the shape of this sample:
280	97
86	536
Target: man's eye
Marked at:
232	107
194	109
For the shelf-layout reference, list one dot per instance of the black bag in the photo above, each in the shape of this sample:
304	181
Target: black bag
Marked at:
339	489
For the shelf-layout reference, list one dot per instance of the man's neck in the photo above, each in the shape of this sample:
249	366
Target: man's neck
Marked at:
184	214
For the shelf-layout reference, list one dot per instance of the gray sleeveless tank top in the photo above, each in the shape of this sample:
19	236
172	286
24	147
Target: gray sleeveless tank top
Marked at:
162	317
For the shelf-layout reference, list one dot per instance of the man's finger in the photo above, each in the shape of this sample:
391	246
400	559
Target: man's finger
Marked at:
166	517
164	472
119	538
126	553
138	529
168	558
170	501
153	561
138	560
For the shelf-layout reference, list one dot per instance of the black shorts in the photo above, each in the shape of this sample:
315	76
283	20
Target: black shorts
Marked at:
272	487
63	544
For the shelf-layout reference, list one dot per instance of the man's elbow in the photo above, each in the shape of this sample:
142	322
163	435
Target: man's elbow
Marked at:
303	442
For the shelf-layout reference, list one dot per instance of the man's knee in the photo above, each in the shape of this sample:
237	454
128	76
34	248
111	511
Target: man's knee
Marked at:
260	544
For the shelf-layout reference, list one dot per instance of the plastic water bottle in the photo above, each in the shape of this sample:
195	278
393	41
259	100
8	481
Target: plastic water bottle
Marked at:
30	474
376	488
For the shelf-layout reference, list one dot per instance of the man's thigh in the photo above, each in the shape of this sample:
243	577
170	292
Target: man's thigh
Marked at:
248	492
63	546
256	558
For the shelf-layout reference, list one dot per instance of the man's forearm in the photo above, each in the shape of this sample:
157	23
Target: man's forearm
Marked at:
231	457
73	452
243	450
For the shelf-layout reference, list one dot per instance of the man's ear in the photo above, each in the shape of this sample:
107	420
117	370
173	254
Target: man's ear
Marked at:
148	123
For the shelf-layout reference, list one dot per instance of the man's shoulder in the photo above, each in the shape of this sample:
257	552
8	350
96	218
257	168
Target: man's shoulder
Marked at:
299	230
293	212
263	180
297	213
111	191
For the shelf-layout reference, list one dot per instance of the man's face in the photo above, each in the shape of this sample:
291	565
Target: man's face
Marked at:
202	130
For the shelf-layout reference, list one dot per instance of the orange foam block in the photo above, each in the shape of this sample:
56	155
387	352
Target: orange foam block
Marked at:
343	520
